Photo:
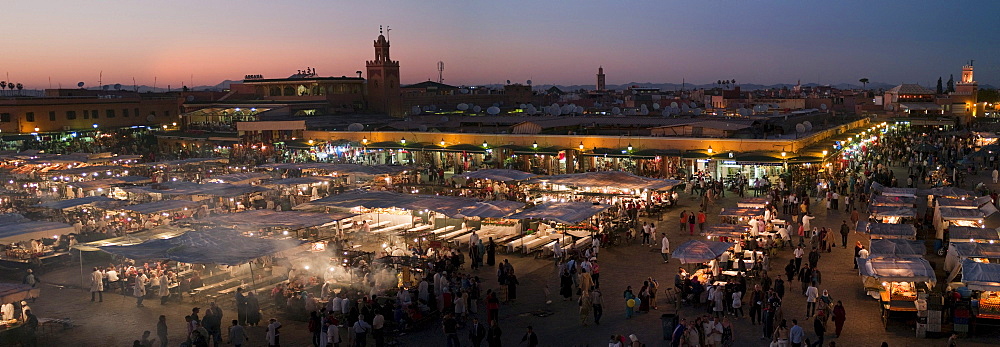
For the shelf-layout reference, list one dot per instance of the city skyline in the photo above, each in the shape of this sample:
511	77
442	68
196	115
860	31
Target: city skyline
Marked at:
563	43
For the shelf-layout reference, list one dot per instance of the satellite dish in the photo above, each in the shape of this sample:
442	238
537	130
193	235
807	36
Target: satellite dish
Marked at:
635	92
150	118
477	109
508	81
630	112
493	110
697	111
118	86
189	98
105	87
822	107
808	125
529	82
80	84
656	106
616	110
355	127
799	128
673	105
415	110
463	91
444	119
644	112
693	105
422	127
463	107
579	109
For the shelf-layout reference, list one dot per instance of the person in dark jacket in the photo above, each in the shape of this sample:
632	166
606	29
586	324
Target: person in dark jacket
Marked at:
493	334
477	332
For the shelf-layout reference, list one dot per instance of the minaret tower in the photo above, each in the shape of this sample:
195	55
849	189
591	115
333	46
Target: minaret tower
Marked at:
600	79
383	80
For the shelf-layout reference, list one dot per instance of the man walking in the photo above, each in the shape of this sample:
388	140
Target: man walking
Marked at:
477	332
237	334
811	295
597	300
665	248
701	220
844	230
796	334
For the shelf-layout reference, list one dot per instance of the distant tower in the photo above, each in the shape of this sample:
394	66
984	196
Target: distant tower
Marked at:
383	81
440	72
600	78
967	86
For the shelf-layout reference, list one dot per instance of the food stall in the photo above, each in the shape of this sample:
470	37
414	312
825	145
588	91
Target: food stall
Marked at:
740	215
879	189
11	321
896	248
984	278
705	253
571	219
890	231
945	217
897	201
896	282
28	243
976	251
891	214
972	234
758	202
725	232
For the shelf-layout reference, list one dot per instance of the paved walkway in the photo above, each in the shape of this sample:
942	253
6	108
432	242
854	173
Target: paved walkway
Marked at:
116	321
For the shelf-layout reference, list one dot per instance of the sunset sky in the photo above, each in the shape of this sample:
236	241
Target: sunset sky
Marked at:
549	42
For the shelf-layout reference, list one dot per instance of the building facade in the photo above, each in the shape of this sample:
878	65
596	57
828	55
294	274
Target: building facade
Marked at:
68	113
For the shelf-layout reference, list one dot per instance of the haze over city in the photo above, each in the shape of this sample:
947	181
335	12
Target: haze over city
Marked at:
549	42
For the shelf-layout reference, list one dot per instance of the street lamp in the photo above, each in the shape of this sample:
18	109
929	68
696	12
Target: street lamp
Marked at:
534	145
95	125
783	154
581	145
709	149
486	145
364	141
825	152
442	142
629	147
402	140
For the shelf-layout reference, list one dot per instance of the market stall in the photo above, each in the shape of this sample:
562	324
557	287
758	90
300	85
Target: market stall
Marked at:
725	232
896	283
569	218
700	251
888	231
502	175
70	204
978	252
891	214
270	221
984	278
945	217
759	202
740	215
896	248
972	234
238	178
11	319
28	243
897	201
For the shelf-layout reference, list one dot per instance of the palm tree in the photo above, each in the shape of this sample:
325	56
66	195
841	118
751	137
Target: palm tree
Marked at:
864	83
3	85
19	88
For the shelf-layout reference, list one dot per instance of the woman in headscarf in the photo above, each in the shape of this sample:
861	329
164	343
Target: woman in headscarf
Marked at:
839	316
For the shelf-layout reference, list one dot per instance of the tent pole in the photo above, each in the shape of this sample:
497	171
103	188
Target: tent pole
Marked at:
253	279
82	284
